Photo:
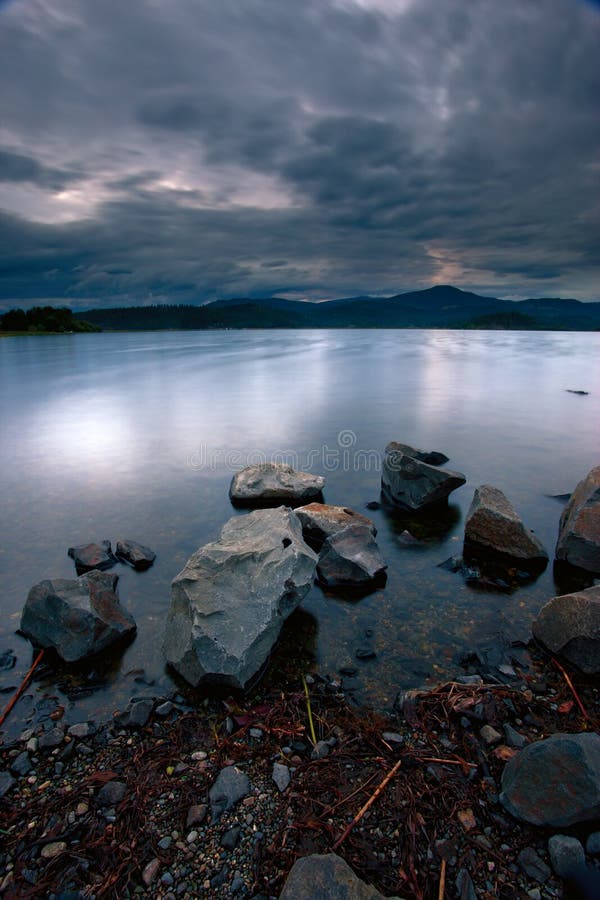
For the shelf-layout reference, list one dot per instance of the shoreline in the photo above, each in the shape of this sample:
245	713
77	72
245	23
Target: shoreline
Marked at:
439	814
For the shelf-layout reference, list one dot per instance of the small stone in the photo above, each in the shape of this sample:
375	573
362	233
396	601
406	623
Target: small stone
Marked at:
238	884
80	730
593	844
230	839
533	866
165	843
256	733
281	776
32	745
26	734
167	879
514	738
6	783
163	709
51	739
150	871
464	886
566	855
81	809
199	755
230	786
49	851
534	894
111	794
320	750
466	819
196	815
21	764
192	837
391	737
490	735
138	712
85	750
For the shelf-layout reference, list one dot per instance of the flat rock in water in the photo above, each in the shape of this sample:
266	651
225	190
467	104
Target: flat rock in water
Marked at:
269	484
321	520
579	531
350	557
76	617
431	457
92	556
554	782
326	877
494	527
570	626
230	601
411	484
137	555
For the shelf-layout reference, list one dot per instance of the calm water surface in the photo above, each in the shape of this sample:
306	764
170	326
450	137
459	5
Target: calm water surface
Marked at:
114	436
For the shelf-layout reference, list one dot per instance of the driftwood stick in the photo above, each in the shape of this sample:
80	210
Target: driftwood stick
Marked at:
442	886
366	806
22	687
565	675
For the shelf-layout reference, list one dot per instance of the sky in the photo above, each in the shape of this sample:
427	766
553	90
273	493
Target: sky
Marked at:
179	151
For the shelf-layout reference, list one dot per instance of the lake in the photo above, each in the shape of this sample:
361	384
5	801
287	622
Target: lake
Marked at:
137	435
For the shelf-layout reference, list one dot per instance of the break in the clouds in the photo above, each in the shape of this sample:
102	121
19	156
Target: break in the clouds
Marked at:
181	151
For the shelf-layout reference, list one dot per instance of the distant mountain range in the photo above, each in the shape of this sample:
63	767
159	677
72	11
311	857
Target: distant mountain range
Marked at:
442	306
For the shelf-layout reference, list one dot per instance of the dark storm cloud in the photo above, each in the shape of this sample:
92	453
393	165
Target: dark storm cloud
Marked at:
189	150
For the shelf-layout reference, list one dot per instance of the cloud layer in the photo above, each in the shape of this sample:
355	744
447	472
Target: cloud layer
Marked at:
181	151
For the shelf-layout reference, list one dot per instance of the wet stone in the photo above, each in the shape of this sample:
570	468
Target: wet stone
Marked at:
111	794
21	764
281	776
231	838
566	855
51	739
533	866
230	786
6	783
196	815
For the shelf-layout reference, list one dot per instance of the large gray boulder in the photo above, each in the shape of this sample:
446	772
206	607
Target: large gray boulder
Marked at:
270	484
321	520
579	531
411	484
76	617
493	527
570	626
554	782
350	558
231	599
326	877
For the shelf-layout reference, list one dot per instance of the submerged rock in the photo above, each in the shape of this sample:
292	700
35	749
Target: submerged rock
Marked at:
137	555
493	527
78	617
326	877
579	531
570	625
350	557
554	782
411	484
231	599
269	484
321	521
92	556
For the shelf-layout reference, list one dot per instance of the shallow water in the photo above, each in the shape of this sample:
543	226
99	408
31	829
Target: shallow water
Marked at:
108	436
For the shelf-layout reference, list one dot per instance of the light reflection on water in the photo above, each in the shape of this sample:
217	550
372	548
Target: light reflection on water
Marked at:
126	435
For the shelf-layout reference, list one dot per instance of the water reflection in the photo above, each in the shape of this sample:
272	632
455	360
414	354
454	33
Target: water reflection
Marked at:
99	432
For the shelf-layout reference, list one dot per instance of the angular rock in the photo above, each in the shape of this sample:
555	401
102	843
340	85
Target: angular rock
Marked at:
230	601
326	877
411	484
321	521
51	739
570	626
111	793
137	555
579	530
493	527
281	776
350	557
92	556
269	484
138	712
6	783
431	457
554	782
21	764
78	618
229	788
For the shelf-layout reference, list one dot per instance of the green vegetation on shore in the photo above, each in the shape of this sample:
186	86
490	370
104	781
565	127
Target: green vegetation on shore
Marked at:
44	320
